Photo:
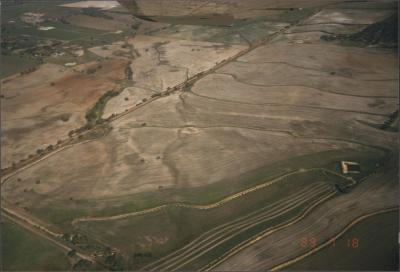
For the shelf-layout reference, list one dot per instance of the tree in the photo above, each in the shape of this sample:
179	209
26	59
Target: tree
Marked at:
82	265
128	73
71	253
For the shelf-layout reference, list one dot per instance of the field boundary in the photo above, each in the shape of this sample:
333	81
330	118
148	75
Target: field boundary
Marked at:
206	206
264	234
281	209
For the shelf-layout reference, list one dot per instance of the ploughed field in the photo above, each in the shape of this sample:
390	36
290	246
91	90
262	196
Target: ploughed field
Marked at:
207	147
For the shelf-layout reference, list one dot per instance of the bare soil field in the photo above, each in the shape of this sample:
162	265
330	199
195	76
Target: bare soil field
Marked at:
158	64
40	108
347	16
93	4
128	98
237	8
243	33
339	81
96	22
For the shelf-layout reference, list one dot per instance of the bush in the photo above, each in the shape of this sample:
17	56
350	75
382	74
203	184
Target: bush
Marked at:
96	111
71	253
82	265
128	73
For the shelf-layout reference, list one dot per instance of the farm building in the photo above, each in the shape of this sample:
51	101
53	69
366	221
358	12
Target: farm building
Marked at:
350	167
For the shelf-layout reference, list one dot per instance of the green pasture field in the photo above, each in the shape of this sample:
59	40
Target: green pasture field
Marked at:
14	64
62	212
22	250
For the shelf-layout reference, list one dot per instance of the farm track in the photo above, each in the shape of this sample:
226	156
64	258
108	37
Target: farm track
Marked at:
287	132
317	70
289	105
336	92
221	234
262	235
211	233
325	197
204	206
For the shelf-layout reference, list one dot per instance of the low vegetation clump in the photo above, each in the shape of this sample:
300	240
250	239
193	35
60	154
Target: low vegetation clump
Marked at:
96	111
82	265
94	12
128	73
390	121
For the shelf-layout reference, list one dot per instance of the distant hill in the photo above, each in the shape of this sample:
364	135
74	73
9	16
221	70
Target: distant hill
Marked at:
383	34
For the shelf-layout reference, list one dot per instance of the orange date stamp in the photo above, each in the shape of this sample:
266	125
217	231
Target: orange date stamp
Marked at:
312	242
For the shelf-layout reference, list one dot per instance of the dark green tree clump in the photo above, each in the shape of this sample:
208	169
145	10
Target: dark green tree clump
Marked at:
97	110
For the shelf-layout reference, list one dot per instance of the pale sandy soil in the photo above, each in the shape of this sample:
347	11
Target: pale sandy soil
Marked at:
40	108
350	16
93	4
238	8
128	98
161	63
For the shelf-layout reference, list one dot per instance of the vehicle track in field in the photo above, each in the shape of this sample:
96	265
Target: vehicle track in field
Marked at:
221	234
289	85
364	193
204	206
324	198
